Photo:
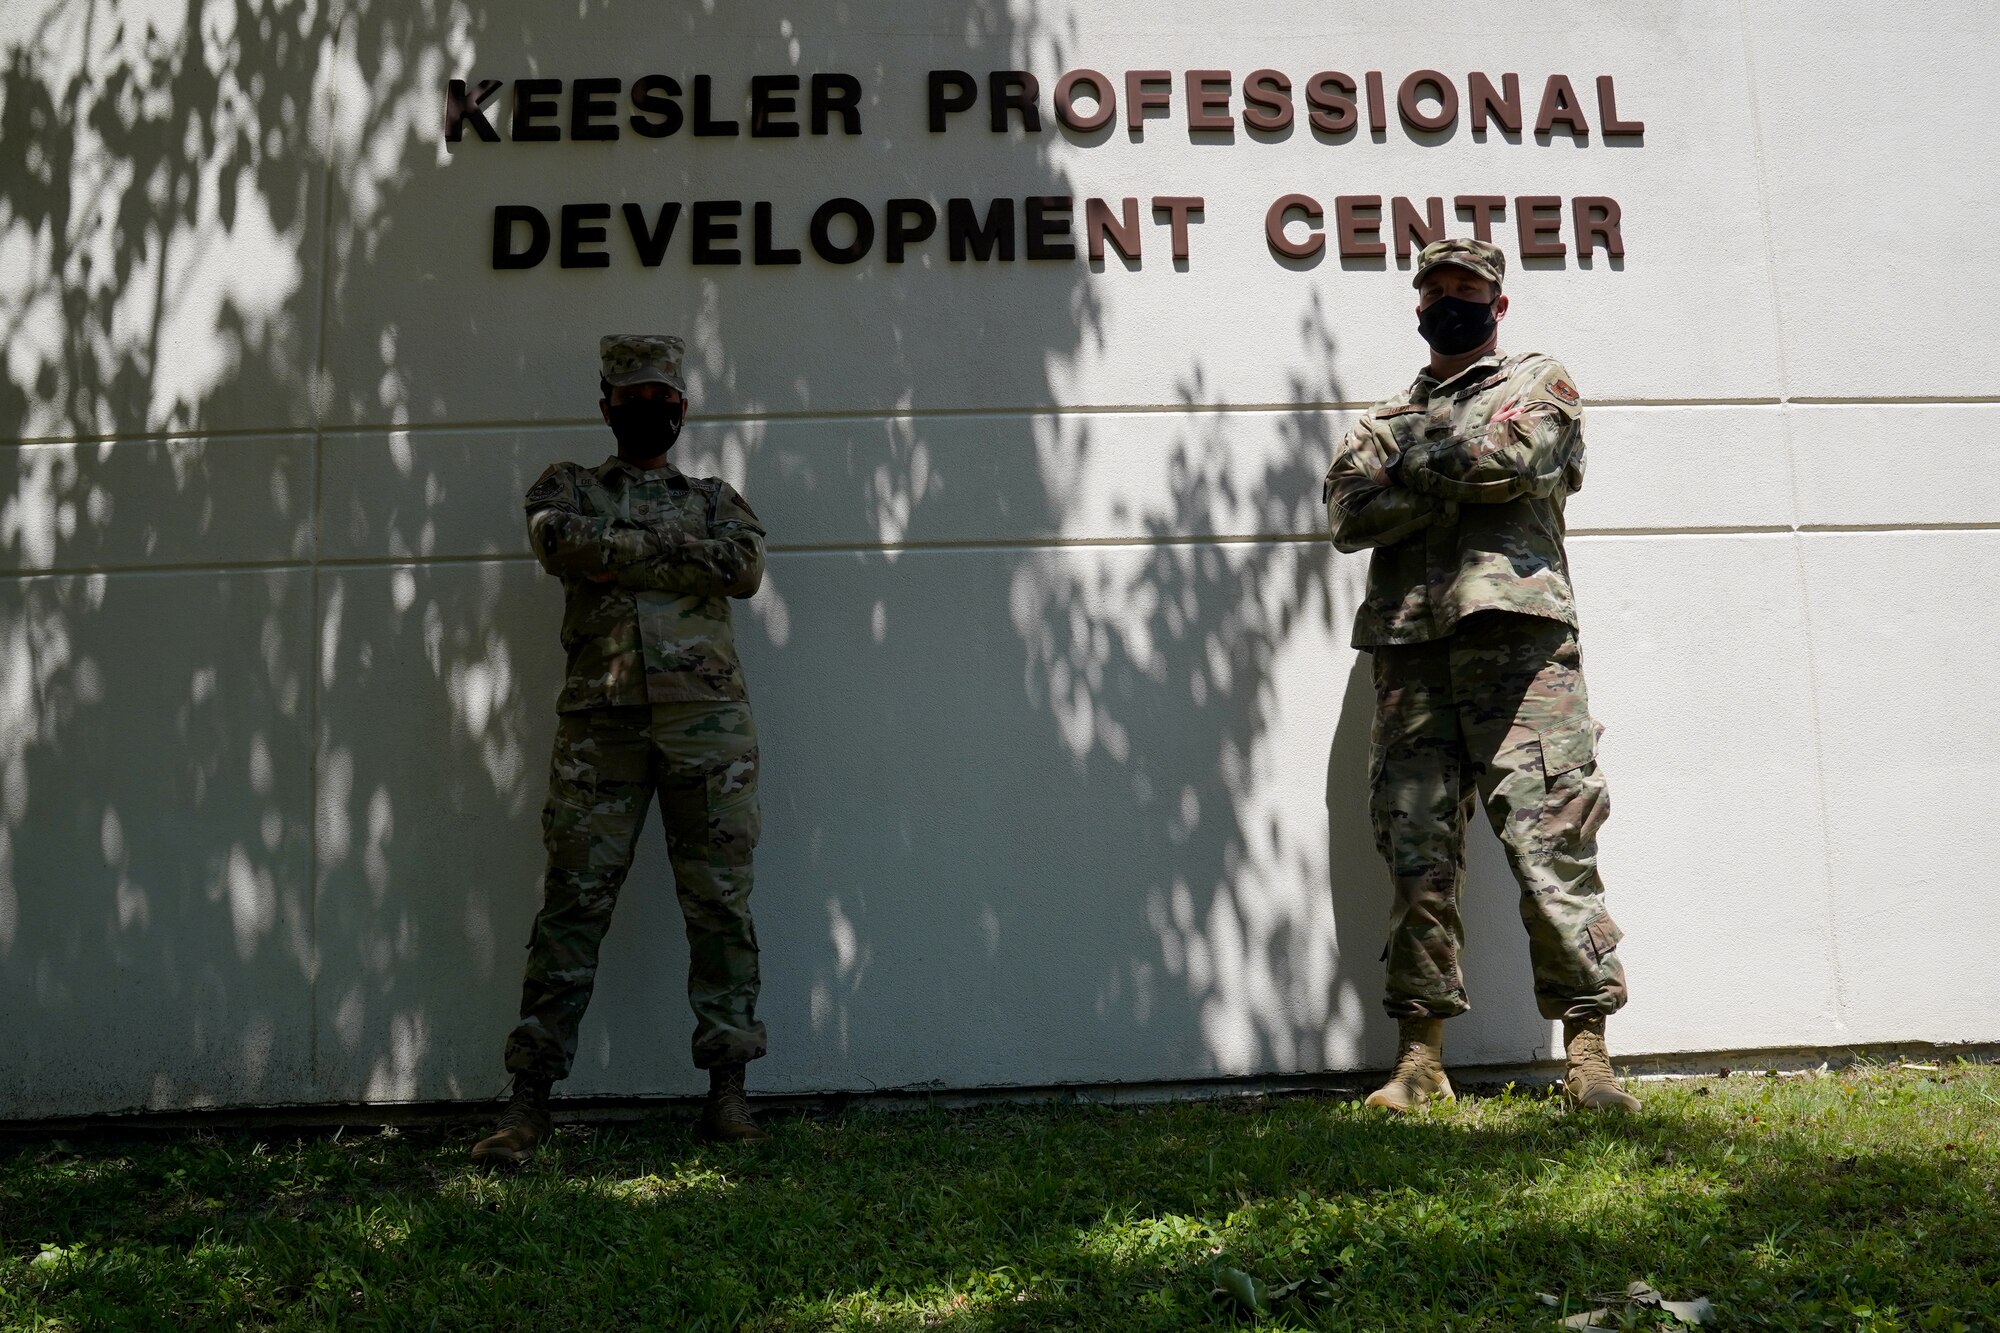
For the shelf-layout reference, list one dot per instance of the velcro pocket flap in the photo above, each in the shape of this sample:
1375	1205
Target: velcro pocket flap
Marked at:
1603	934
1568	745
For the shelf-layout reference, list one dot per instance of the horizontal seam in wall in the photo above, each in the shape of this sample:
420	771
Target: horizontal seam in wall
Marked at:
265	566
1912	400
1054	543
1786	530
985	544
1720	530
1836	528
297	435
915	414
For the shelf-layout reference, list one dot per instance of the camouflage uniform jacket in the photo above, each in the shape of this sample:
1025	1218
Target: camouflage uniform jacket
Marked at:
647	561
1459	488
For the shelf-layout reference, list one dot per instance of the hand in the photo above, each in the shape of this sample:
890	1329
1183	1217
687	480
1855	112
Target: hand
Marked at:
1402	460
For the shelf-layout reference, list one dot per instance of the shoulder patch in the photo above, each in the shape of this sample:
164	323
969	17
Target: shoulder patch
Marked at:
547	487
1563	392
719	491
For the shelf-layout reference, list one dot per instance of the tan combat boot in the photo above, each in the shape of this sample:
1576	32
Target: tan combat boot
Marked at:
524	1124
1419	1073
1590	1083
725	1118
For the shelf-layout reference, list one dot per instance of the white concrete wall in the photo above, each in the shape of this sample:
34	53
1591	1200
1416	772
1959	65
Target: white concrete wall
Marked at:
1063	742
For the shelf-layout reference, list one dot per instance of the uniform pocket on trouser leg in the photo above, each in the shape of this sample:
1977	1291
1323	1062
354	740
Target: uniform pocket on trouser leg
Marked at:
723	970
1602	936
599	782
566	821
1547	808
1423	978
733	820
1419	830
562	967
1381	807
713	824
598	787
1566	745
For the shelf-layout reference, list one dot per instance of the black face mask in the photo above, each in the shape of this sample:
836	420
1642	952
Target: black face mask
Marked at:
646	427
1451	325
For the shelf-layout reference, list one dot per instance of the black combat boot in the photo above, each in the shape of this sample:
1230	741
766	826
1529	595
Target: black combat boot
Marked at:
725	1118
524	1124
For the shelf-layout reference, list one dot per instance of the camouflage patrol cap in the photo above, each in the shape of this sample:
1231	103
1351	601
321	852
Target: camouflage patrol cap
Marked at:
642	358
1478	256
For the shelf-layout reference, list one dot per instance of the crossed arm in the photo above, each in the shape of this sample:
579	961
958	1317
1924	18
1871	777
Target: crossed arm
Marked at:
1365	505
1378	493
1528	448
572	546
728	561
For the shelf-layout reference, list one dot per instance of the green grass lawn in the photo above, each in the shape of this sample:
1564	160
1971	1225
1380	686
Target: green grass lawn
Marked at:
1863	1200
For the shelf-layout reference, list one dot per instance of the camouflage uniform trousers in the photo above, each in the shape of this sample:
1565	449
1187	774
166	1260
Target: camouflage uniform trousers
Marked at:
1497	712
700	759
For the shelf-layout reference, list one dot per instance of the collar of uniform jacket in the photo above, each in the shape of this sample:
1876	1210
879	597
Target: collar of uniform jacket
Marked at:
1427	384
674	477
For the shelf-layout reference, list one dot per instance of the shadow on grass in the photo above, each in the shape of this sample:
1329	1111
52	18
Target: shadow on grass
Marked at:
1793	1207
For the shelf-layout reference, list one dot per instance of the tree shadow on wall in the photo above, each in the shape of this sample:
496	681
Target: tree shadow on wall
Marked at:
163	178
199	880
277	670
1116	796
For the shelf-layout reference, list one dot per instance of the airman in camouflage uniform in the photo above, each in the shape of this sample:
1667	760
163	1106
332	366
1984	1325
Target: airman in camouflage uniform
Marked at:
653	707
1458	486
